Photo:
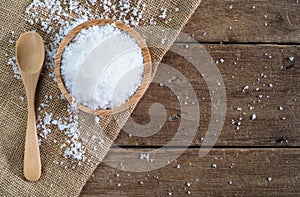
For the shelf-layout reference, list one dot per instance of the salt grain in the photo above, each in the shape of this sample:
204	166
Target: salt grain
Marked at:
245	88
253	117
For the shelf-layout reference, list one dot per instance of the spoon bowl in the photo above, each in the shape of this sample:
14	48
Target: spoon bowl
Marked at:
30	54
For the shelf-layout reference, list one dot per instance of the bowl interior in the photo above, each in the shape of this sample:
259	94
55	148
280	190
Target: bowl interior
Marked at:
146	57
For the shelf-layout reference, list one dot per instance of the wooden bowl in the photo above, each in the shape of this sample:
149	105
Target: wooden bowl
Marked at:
147	66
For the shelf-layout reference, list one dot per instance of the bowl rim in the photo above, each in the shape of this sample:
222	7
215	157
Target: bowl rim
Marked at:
147	75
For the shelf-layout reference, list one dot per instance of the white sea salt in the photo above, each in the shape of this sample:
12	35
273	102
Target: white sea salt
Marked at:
145	156
189	184
22	98
291	59
163	14
253	117
102	67
245	88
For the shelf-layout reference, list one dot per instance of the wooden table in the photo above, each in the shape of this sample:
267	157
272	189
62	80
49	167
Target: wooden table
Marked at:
259	42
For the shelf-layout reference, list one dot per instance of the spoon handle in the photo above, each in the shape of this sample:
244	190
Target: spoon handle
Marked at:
32	161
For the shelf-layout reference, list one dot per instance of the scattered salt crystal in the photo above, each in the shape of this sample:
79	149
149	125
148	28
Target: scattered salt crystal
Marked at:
214	165
253	117
163	40
164	13
145	156
269	179
280	108
204	34
239	109
245	88
141	182
152	21
178	166
222	60
13	62
189	184
119	184
176	9
97	119
169	194
22	98
291	59
230	7
270	85
188	192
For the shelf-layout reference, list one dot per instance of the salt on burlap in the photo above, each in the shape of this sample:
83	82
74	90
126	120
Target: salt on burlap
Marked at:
55	179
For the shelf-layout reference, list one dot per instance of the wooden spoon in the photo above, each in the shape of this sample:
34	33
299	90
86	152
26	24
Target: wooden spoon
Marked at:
30	53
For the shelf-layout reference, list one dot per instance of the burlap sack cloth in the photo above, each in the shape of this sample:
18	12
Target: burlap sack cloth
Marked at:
55	179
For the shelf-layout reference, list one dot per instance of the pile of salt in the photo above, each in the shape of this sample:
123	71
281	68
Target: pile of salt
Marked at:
102	67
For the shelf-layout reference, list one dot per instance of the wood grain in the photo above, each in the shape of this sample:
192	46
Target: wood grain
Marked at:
246	63
271	21
262	157
239	172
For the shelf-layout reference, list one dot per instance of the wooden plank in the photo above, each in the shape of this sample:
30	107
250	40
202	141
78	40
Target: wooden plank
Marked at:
271	21
244	65
238	172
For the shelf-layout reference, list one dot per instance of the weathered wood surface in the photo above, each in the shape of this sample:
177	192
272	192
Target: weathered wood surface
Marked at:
239	172
271	21
243	66
262	157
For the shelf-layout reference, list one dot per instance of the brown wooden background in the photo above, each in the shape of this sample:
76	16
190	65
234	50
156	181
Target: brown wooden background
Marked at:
262	158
